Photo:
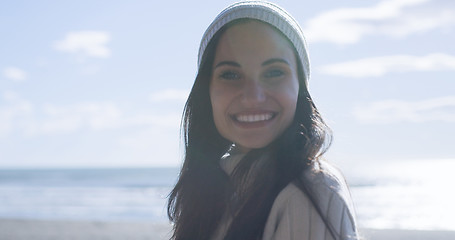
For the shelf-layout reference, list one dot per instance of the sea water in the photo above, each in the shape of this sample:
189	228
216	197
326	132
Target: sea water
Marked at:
86	194
397	194
417	194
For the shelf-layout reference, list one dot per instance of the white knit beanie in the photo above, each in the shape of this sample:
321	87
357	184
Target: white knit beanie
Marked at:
266	12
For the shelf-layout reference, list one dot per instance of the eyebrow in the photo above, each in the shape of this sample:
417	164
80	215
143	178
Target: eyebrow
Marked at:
265	63
229	63
274	60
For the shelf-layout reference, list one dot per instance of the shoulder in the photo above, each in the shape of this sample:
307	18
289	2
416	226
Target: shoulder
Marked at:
292	216
324	182
327	180
291	199
329	189
294	211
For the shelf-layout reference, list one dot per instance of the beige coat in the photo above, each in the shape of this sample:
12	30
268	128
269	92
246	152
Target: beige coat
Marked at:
294	217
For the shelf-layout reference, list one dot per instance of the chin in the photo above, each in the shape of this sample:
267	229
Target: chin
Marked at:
252	146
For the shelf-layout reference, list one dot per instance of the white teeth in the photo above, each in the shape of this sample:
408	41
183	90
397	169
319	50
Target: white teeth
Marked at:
254	118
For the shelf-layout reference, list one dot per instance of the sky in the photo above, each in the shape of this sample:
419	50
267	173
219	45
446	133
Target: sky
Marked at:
103	83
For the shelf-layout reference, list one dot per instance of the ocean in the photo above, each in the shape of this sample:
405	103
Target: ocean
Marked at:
400	195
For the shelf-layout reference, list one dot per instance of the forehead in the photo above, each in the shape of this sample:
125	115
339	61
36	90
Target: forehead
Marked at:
253	40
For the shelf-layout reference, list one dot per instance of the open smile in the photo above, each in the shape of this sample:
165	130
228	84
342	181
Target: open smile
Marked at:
252	118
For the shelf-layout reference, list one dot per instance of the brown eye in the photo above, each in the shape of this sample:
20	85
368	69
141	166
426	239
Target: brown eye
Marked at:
274	73
229	75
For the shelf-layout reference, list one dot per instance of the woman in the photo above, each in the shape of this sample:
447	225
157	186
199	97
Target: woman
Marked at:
254	138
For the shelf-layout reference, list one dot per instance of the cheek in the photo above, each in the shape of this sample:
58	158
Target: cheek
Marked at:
221	96
290	108
218	104
288	100
289	96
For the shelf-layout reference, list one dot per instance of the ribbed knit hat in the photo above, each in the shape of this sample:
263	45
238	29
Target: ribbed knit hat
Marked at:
266	12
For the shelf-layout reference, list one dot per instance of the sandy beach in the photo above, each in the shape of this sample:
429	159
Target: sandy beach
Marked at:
81	230
11	229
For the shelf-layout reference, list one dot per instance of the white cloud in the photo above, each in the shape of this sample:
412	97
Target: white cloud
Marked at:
379	66
12	110
398	18
87	43
163	120
14	73
18	115
161	143
170	95
96	116
393	111
65	119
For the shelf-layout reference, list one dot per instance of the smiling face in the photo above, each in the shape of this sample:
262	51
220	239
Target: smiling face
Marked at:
254	85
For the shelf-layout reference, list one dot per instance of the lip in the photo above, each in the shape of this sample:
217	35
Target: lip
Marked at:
253	119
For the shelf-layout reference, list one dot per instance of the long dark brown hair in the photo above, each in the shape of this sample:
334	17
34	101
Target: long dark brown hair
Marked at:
204	192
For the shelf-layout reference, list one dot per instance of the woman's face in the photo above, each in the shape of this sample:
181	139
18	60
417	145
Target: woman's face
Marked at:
254	85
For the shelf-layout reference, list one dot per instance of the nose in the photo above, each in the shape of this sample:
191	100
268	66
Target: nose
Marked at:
253	93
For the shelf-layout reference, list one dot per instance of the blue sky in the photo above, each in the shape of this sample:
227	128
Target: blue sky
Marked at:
103	83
